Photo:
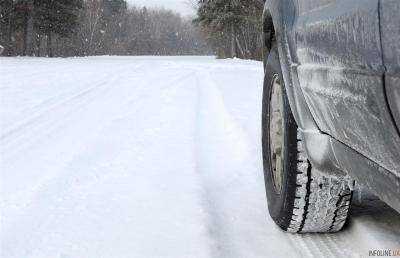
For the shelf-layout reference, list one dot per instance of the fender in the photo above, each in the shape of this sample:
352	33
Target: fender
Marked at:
277	27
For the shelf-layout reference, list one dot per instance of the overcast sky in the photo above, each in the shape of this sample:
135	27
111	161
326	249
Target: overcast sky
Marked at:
180	6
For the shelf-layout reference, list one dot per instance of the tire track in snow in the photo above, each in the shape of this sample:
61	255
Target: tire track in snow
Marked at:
25	124
65	183
63	99
322	245
18	143
208	106
59	99
339	246
29	131
232	191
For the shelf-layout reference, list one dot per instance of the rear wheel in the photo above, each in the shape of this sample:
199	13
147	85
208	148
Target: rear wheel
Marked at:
300	198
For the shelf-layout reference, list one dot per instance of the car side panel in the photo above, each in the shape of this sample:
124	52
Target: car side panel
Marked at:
390	31
339	33
341	73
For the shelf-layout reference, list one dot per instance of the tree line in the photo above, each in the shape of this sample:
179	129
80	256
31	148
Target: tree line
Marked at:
94	27
232	27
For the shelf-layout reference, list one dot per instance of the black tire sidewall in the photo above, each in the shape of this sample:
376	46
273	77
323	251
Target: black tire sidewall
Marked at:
280	204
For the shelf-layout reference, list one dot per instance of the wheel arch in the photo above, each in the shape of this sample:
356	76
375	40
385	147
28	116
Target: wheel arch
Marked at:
277	23
275	26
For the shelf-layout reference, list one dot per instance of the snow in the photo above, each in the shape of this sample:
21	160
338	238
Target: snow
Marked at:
147	157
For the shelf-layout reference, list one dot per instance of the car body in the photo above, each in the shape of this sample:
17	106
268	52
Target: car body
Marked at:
340	61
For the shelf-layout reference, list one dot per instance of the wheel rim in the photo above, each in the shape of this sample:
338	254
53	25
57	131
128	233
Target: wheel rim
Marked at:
276	133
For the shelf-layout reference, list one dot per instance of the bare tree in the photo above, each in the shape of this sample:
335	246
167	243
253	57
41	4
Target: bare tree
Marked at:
100	27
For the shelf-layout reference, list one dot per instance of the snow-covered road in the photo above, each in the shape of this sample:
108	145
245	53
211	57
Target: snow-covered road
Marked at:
147	157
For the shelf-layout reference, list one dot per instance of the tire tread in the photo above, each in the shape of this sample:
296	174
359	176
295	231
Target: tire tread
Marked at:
322	203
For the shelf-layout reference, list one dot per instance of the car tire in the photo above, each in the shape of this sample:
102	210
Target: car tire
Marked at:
300	198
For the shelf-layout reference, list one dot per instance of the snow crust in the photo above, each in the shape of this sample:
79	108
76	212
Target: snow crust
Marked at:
147	157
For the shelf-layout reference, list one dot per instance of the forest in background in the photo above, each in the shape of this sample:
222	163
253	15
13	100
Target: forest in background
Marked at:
95	27
226	28
233	28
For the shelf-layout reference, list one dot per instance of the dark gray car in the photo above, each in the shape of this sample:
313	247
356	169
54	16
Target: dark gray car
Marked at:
331	108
